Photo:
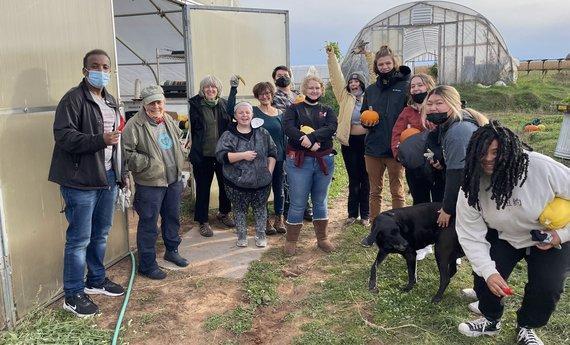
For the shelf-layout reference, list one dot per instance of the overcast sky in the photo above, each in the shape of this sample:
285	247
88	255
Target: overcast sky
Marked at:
532	29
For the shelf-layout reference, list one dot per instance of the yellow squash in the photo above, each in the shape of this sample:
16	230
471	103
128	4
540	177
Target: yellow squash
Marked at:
307	129
556	214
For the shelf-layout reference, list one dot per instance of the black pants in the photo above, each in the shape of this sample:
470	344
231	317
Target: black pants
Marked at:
149	203
425	188
204	175
358	184
546	275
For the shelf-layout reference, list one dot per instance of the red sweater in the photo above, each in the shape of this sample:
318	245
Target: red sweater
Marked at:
408	116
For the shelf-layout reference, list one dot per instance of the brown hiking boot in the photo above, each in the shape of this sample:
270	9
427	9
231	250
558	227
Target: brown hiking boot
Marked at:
226	219
269	229
321	233
279	225
292	236
205	230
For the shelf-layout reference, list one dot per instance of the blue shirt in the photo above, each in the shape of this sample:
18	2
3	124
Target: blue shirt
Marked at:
273	124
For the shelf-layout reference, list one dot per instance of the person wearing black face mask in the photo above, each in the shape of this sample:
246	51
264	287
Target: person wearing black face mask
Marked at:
455	126
284	96
387	96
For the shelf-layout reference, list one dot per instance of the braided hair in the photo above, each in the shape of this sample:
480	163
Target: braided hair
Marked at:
511	164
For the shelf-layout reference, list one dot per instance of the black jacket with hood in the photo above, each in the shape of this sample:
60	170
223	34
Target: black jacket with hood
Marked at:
387	97
78	159
246	174
224	108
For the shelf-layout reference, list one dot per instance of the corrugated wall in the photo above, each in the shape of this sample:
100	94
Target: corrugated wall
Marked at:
43	44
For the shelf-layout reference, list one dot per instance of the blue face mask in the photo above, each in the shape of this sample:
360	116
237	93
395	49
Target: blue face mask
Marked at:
98	79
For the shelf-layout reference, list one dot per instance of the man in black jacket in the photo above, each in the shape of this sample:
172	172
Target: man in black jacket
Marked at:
86	163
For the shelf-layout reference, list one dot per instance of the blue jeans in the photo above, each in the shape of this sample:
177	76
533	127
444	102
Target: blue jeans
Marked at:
149	203
90	216
277	187
304	180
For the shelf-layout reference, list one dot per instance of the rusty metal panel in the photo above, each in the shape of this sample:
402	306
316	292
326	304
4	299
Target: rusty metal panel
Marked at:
43	44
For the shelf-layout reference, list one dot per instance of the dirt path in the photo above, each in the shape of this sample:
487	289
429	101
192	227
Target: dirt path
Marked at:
173	311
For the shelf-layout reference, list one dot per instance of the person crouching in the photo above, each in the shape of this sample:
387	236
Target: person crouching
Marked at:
248	156
154	157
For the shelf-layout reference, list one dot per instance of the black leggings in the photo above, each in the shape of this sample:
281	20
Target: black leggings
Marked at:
358	183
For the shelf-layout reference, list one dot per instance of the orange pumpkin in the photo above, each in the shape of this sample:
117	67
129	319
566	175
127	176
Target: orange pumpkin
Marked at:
531	128
369	116
408	132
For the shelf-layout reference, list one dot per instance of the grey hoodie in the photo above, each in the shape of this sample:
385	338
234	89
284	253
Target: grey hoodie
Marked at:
246	174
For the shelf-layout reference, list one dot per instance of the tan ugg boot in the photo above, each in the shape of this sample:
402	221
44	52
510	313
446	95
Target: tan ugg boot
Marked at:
321	233
292	236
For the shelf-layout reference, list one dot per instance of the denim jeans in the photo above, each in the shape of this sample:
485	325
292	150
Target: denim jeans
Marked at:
149	203
90	216
304	180
277	187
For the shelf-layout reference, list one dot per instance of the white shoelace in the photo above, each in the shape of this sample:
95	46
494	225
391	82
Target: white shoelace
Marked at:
529	336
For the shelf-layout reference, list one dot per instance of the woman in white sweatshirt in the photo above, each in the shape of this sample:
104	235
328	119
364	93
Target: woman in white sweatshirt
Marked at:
505	189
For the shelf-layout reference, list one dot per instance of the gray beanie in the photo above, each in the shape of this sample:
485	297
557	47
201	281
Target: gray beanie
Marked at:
358	76
152	93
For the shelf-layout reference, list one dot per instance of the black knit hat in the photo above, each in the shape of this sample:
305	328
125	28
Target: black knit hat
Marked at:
358	76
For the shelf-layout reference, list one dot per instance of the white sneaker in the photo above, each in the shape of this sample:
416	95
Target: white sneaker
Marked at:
422	253
527	336
458	261
479	327
469	294
261	241
474	308
241	243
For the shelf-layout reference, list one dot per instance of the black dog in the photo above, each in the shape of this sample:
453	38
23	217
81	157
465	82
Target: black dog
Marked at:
408	229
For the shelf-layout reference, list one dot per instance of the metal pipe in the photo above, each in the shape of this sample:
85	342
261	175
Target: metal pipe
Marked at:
145	14
151	63
162	14
144	62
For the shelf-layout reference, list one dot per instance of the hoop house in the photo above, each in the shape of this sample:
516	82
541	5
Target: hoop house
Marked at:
465	45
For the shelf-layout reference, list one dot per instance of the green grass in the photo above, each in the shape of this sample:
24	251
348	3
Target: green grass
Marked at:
338	309
48	326
531	93
260	287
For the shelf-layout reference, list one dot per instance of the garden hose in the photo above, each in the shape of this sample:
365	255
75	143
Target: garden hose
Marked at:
125	301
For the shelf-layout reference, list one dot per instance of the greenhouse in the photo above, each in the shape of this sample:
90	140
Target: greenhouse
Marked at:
454	41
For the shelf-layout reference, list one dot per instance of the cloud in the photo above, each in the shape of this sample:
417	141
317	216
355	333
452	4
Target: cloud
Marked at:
531	28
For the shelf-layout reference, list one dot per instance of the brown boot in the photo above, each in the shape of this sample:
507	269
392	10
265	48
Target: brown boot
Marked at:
292	236
321	232
269	229
279	225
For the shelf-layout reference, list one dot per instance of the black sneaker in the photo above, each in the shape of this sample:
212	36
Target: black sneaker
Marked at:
175	258
527	336
107	288
366	242
157	274
81	305
479	327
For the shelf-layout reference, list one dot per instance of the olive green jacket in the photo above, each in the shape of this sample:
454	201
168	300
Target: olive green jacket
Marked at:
142	154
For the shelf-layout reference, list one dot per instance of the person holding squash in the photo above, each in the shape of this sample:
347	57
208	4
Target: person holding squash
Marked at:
351	135
382	104
309	162
505	189
455	125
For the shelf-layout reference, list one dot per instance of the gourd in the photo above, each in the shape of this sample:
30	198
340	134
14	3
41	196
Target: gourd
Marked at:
369	116
556	214
299	99
541	127
307	129
531	128
408	132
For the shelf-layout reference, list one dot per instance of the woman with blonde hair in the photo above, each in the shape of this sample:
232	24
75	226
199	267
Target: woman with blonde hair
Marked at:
455	124
309	162
387	96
